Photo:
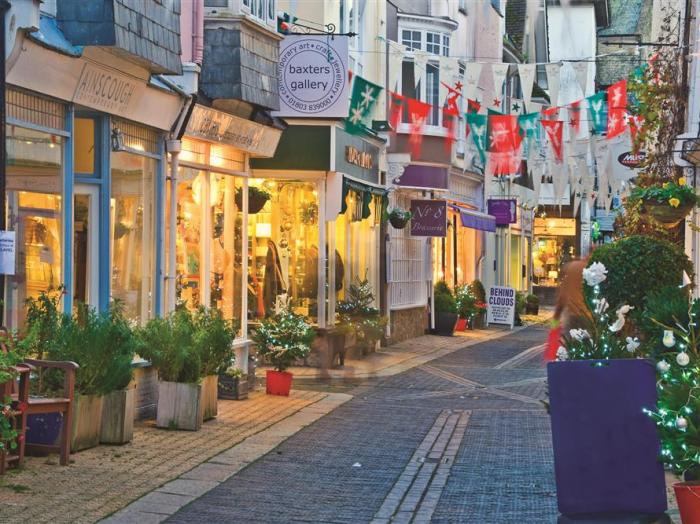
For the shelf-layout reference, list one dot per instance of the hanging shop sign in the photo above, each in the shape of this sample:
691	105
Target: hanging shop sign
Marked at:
501	306
313	78
505	211
429	218
217	126
632	160
356	156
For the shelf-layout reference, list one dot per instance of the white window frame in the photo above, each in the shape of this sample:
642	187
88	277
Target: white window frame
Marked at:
254	8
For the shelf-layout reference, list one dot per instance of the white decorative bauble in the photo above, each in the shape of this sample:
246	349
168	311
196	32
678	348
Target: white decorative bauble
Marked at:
683	359
663	366
669	340
681	423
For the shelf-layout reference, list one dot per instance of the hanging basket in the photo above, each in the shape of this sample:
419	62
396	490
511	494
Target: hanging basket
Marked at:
398	222
255	202
665	213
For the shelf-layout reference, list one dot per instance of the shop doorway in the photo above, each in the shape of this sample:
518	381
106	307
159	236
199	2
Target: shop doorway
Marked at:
85	245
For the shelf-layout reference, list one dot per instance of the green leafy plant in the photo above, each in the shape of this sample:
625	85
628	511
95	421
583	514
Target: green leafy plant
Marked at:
533	300
169	344
43	319
213	339
477	289
604	336
284	338
8	408
466	302
358	316
637	266
234	372
520	302
443	298
102	344
672	193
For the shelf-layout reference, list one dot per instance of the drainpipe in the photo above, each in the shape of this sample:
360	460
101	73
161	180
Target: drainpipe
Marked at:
4	8
174	148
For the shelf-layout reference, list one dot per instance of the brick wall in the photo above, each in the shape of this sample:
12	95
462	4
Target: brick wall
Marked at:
408	323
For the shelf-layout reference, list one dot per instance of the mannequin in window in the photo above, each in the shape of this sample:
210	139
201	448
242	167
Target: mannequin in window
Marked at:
273	284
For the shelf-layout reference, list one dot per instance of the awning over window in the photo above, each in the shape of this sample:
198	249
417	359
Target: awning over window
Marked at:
424	177
366	191
475	219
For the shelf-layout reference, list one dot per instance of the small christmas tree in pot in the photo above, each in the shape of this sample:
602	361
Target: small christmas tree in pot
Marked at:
677	413
282	339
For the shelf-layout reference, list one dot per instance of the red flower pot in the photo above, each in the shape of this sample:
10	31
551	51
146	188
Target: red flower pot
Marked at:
688	498
461	325
278	383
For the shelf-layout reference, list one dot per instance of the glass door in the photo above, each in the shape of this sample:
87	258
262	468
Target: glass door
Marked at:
85	245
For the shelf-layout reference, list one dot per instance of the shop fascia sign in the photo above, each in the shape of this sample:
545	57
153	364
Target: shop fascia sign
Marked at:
107	90
313	76
217	126
359	158
505	210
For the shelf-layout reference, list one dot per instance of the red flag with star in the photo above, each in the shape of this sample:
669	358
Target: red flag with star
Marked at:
417	115
575	116
551	113
396	105
555	134
449	122
504	143
617	109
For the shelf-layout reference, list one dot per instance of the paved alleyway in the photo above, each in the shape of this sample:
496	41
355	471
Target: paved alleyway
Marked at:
463	438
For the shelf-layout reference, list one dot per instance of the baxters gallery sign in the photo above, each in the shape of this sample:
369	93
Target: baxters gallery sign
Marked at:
313	77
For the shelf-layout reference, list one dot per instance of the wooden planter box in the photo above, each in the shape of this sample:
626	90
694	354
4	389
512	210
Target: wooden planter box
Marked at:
118	413
231	388
180	406
87	422
210	393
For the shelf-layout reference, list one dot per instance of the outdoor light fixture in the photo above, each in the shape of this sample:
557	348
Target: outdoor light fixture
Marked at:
117	140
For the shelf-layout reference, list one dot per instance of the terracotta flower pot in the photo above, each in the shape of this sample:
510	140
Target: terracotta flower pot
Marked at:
688	498
278	383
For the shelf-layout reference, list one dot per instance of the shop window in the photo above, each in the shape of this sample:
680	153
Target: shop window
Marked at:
132	233
226	246
34	189
84	146
190	221
357	249
284	249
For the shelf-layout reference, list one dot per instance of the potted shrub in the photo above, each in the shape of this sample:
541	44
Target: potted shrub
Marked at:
445	309
10	437
399	217
477	290
532	304
668	202
257	198
282	339
605	447
169	344
233	384
103	345
213	338
357	316
466	307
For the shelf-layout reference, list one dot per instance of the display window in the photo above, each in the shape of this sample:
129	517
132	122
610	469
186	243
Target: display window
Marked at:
455	255
209	245
132	233
34	197
283	247
554	246
356	245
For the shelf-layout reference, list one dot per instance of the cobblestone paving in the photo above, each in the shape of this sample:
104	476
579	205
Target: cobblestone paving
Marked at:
101	480
454	440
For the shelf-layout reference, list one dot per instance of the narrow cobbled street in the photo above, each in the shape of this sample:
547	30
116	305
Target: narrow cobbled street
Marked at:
464	438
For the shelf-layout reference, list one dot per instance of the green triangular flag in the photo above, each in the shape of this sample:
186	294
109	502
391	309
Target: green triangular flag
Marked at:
530	129
479	133
599	113
364	96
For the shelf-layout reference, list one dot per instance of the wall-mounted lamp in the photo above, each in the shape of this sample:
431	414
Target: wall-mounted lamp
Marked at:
117	140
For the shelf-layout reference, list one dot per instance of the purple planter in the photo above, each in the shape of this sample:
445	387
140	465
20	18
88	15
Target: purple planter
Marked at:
605	448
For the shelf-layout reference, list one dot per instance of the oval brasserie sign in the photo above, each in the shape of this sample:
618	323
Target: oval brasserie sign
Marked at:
632	160
313	79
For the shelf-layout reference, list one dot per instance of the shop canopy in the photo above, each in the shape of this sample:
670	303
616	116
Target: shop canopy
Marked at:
366	191
475	219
